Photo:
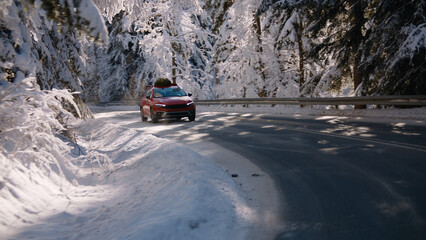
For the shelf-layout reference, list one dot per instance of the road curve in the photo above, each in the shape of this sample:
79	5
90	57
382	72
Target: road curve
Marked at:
337	179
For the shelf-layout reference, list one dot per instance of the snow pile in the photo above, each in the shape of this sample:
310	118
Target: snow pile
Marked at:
115	183
33	169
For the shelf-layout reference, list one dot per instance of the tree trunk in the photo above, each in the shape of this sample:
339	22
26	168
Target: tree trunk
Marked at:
299	34
357	82
357	79
214	62
299	31
174	66
217	23
215	76
258	30
357	39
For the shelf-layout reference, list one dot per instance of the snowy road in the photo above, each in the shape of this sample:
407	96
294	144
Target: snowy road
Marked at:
338	178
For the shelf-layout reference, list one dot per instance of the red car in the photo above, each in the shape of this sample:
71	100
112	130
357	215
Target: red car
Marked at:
166	102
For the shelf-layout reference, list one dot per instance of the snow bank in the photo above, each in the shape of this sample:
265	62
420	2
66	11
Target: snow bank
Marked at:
120	184
33	168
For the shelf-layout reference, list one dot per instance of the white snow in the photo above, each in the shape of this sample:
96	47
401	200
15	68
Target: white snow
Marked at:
120	184
90	12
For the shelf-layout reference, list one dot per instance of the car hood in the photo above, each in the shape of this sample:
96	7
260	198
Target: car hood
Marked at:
173	100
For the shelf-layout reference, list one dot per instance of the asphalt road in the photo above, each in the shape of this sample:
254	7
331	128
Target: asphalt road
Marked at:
338	178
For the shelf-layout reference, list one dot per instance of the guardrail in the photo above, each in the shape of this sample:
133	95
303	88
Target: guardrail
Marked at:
417	100
116	103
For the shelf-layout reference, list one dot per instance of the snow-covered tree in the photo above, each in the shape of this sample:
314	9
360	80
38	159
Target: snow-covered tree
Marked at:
394	50
37	43
284	27
40	67
338	27
167	40
239	63
269	48
378	45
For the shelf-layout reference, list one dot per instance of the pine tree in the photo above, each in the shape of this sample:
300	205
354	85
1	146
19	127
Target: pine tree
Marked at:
218	11
394	51
237	55
49	50
340	24
285	22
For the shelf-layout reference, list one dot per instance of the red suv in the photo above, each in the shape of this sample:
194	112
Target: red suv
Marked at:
166	102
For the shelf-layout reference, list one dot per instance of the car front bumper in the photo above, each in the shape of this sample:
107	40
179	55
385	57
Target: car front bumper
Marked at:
176	114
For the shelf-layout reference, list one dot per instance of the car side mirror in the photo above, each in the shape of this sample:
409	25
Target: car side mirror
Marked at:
189	94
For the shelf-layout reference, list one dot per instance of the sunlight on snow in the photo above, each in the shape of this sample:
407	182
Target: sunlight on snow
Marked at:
349	131
243	211
244	133
344	129
393	209
398	127
406	133
332	119
332	150
269	126
191	136
228	121
323	142
111	114
155	129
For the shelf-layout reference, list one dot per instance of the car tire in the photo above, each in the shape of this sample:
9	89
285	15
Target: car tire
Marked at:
144	119
154	118
192	118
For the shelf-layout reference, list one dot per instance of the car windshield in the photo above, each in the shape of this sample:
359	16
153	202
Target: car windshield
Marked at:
169	92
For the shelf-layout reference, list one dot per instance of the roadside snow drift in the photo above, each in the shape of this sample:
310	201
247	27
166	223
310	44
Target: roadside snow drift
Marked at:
117	183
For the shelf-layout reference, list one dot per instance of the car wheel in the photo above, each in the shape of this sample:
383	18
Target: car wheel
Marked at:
154	118
143	116
192	118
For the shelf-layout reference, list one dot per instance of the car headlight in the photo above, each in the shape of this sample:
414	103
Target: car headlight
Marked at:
190	103
160	105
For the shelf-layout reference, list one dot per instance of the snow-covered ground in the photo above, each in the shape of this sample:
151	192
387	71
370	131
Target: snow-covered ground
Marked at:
124	183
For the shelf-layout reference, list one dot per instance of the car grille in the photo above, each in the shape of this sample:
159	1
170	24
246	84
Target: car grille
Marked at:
179	106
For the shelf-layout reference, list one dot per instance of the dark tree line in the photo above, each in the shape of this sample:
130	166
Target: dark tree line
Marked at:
378	44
